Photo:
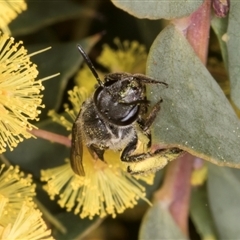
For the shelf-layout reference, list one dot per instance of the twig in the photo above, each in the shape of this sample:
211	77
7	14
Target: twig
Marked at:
53	137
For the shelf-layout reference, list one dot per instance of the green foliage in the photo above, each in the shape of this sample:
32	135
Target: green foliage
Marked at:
158	9
194	104
159	224
224	196
233	38
64	59
201	213
44	13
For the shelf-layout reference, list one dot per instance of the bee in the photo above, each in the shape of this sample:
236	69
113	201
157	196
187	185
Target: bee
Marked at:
111	119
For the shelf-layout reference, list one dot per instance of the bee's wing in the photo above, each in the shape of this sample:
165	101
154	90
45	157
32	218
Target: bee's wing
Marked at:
77	150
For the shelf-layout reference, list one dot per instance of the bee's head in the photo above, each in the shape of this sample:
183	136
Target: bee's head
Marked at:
118	98
119	101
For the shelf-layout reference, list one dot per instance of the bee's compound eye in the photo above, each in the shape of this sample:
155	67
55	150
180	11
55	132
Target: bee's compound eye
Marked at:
130	117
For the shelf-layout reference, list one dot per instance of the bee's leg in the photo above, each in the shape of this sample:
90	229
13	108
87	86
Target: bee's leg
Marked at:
117	76
129	149
148	161
151	162
135	158
148	80
142	101
151	116
96	152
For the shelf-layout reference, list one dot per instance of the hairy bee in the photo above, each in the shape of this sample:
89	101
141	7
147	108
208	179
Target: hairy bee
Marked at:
110	119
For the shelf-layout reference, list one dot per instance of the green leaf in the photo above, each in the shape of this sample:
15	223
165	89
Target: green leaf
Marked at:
219	26
157	9
63	58
41	13
148	30
233	45
75	225
195	114
201	215
159	224
224	198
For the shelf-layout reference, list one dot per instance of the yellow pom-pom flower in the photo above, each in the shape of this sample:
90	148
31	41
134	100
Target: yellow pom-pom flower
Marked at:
27	225
17	188
19	219
9	10
128	57
20	97
106	189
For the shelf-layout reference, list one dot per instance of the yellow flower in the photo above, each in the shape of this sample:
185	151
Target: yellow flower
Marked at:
76	97
85	78
19	93
3	201
129	57
17	188
27	225
18	217
199	175
106	187
9	10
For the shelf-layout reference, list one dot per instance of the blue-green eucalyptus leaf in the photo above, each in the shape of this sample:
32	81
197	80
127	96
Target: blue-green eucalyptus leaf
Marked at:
201	213
159	224
63	58
219	26
43	13
224	198
156	9
195	115
233	45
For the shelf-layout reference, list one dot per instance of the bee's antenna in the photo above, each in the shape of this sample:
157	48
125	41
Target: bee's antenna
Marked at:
90	65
